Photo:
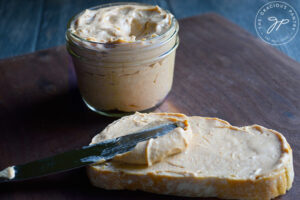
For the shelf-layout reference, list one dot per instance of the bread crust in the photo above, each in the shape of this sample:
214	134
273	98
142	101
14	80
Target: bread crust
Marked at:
262	188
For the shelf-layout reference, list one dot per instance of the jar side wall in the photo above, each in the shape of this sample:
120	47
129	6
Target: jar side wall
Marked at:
132	90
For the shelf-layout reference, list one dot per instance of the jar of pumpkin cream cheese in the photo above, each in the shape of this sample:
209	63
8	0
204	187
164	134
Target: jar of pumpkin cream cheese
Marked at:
124	56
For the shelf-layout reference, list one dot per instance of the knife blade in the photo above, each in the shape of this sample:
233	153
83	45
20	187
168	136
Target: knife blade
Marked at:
86	155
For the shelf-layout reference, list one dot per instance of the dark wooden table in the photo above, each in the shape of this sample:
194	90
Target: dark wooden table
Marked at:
221	71
27	26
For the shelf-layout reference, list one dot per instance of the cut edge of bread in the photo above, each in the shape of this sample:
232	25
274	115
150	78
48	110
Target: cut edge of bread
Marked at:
263	187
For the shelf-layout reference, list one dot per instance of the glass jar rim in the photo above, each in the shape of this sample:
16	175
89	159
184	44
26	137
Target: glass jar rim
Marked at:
161	56
68	32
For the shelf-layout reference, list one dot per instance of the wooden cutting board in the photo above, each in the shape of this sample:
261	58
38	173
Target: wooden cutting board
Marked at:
221	71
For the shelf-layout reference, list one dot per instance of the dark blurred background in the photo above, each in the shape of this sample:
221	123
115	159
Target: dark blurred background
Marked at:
30	25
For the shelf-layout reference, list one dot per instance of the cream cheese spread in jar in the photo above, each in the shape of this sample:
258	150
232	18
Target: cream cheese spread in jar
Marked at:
124	56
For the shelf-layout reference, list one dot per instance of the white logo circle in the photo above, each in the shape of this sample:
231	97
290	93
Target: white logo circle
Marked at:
276	23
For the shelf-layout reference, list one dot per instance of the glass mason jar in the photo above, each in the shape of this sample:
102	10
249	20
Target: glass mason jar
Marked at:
119	79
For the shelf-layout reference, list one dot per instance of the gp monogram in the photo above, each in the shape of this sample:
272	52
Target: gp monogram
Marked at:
276	23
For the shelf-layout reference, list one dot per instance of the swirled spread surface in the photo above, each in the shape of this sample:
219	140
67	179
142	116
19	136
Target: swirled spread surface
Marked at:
153	150
122	24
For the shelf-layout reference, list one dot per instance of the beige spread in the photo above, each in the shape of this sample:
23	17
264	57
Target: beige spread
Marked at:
153	150
8	172
122	24
216	149
220	160
132	68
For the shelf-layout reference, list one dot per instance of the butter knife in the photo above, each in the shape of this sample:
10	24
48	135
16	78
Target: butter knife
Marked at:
87	155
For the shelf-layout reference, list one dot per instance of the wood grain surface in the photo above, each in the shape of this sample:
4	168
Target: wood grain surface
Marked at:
27	26
221	71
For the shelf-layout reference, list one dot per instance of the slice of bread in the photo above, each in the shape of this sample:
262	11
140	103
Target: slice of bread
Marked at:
220	161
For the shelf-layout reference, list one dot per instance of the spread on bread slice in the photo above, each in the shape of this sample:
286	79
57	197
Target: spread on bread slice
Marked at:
153	150
210	158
